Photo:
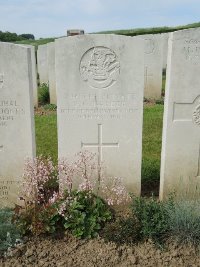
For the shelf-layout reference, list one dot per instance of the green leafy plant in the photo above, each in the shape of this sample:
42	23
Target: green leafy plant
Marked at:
43	94
84	213
45	210
8	231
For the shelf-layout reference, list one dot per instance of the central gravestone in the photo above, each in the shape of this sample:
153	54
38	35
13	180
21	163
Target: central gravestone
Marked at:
100	81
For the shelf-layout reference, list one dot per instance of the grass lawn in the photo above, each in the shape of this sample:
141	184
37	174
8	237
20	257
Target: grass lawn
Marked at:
46	139
152	140
46	135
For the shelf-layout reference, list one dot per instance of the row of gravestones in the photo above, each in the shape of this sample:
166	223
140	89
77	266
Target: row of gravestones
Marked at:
155	54
100	81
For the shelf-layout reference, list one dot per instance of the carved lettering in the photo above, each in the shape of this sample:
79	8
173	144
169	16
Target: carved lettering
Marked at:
102	106
9	110
192	51
6	188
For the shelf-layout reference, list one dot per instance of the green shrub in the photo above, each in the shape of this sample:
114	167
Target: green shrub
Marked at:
121	231
148	220
184	222
84	213
8	231
50	107
151	216
43	94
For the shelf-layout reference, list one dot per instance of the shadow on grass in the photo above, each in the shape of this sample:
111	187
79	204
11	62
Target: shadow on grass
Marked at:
150	177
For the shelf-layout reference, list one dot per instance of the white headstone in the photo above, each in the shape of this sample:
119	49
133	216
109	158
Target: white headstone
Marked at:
34	75
17	138
42	63
165	38
152	66
180	162
51	72
100	82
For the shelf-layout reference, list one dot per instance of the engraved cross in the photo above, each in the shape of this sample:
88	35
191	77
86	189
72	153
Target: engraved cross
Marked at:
100	145
188	112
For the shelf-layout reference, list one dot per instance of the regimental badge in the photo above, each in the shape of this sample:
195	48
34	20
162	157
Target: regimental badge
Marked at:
100	67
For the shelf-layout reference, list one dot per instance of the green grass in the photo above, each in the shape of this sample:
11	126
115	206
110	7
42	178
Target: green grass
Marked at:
152	139
46	138
46	135
36	42
128	32
154	30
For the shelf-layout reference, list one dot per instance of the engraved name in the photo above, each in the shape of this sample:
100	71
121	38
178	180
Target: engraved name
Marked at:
103	106
9	110
5	188
192	50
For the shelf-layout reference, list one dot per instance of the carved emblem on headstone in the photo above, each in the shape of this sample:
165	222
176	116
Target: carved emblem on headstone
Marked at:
99	67
1	80
196	115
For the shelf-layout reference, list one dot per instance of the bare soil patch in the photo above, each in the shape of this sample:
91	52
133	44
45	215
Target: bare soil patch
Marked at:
71	252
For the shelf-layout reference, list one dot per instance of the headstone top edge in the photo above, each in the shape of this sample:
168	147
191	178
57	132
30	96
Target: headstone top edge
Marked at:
90	36
11	45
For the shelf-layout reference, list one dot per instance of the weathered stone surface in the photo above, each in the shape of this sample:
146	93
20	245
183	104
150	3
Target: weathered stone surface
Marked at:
51	72
17	138
165	38
100	81
42	63
34	75
180	164
152	66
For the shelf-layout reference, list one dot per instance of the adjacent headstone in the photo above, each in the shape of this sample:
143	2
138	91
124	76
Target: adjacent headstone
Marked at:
51	72
42	63
73	32
180	161
34	75
152	66
165	38
100	82
17	138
